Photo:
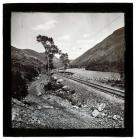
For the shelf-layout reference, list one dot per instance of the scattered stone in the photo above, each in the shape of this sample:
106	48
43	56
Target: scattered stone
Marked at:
60	92
116	117
65	88
109	116
101	106
75	107
121	118
39	107
95	113
59	80
38	121
48	107
14	115
15	101
58	86
80	105
25	115
33	120
19	119
72	91
39	93
54	78
85	106
103	114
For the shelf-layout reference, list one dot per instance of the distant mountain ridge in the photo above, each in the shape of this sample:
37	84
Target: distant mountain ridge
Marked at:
108	55
31	57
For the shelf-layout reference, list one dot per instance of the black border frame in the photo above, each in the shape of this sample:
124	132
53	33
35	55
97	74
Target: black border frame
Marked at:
127	8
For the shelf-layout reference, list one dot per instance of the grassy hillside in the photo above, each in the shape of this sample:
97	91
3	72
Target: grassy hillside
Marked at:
107	55
26	64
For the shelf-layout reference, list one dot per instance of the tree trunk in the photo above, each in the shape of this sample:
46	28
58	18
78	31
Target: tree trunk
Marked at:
48	70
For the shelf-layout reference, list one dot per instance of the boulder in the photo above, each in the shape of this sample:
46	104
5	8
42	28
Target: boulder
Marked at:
101	106
39	107
72	91
95	113
54	78
59	80
39	93
116	117
65	88
58	86
14	115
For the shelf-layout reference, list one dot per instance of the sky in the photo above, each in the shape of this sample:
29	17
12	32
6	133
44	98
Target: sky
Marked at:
73	33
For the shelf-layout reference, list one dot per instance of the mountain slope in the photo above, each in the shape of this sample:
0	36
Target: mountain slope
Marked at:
32	58
107	55
26	64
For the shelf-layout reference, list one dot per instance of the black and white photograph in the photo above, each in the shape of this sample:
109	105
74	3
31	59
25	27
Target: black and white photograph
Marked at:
68	70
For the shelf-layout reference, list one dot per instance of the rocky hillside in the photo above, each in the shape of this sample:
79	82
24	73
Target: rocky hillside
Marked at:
107	55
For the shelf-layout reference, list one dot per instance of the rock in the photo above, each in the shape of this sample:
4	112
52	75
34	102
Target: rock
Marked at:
116	117
65	88
72	91
59	80
38	121
19	119
39	107
103	114
54	78
73	102
60	92
48	107
58	86
39	93
25	115
121	118
109	116
80	105
14	115
95	113
75	107
17	101
101	106
85	106
33	119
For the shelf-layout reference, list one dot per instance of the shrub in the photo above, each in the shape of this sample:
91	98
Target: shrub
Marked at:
19	86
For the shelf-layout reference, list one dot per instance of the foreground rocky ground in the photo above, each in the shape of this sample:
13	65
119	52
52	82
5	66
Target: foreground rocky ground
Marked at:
47	109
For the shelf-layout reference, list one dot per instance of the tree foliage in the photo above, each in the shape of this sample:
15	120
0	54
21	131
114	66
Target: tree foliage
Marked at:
19	85
50	49
65	60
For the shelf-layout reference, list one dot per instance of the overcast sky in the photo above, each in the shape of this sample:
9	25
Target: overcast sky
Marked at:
73	33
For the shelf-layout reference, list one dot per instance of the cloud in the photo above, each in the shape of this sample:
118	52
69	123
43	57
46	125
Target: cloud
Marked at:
65	37
45	26
86	35
84	41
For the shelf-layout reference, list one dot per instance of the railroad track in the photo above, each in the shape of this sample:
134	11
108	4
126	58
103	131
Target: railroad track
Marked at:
105	89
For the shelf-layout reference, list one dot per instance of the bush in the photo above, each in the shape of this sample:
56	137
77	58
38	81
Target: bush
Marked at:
19	86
